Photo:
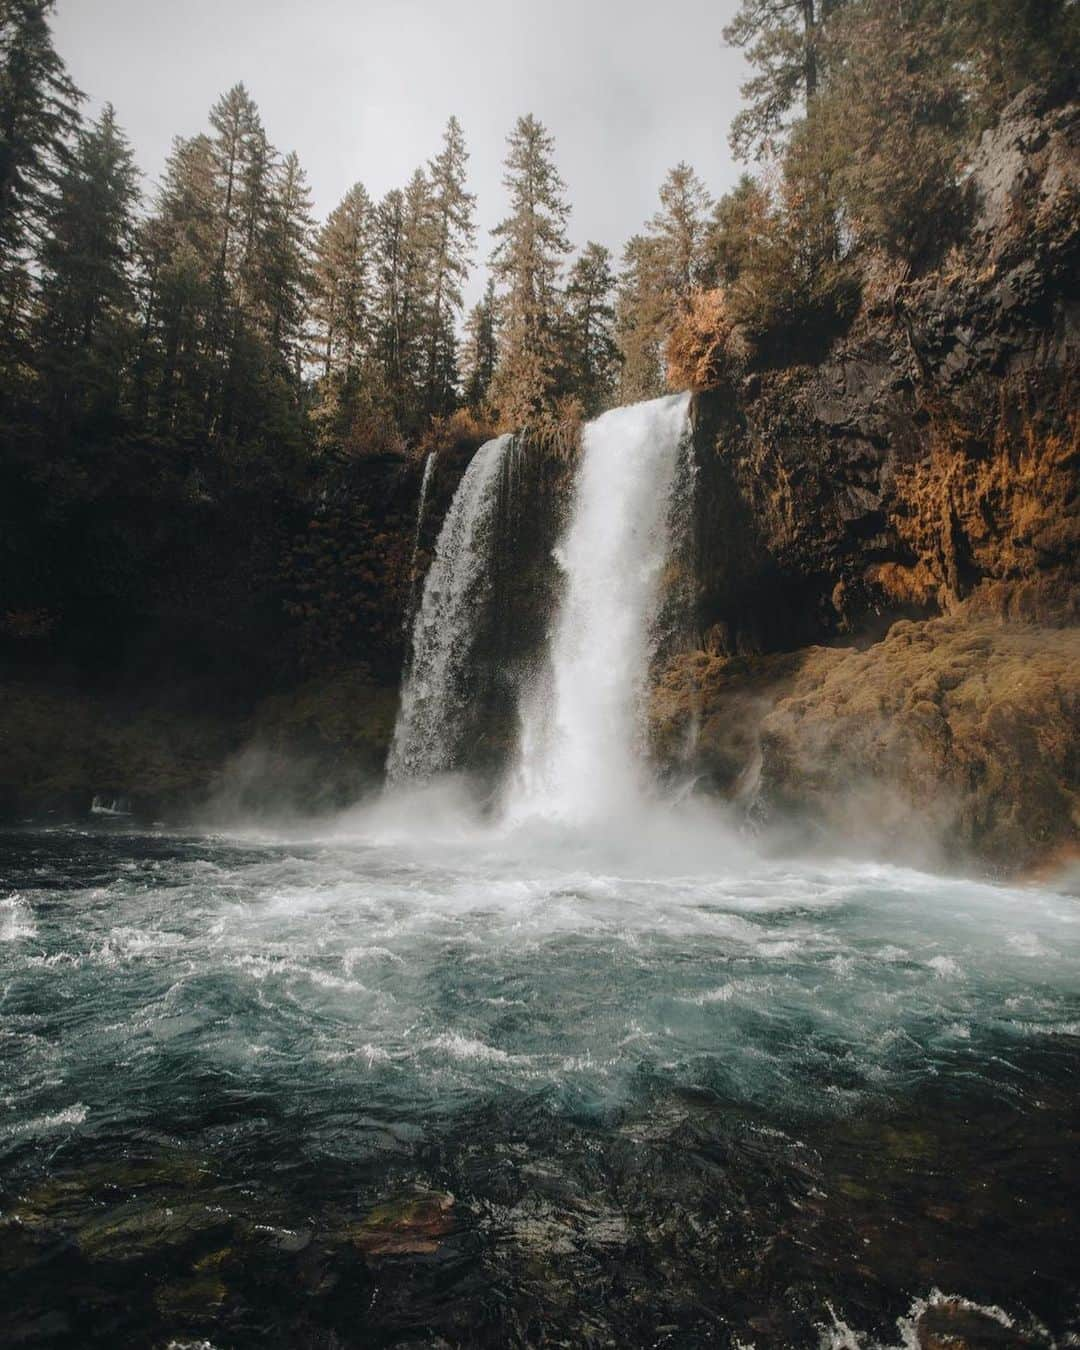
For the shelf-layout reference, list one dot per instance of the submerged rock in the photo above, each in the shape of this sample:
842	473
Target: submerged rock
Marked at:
409	1225
953	1324
133	1231
191	1300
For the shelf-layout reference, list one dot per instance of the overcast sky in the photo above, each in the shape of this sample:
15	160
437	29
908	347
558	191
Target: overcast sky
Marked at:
361	89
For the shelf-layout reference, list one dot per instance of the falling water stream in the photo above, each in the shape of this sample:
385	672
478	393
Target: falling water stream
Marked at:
430	462
435	692
581	751
568	1065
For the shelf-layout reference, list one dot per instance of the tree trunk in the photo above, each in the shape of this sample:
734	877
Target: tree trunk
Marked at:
810	70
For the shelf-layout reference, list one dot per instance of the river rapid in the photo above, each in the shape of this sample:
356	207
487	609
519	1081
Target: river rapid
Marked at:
413	1076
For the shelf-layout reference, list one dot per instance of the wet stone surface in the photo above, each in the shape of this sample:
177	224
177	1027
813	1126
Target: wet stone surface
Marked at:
687	1223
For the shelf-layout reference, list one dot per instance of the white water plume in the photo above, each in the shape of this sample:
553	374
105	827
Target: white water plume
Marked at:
581	753
434	695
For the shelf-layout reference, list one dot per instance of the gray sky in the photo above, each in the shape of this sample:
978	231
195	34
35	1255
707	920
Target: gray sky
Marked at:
361	89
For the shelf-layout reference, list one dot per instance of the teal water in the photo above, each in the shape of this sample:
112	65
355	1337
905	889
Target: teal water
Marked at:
623	1058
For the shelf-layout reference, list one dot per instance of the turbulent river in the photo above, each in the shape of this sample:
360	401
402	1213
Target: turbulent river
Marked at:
495	1086
577	1064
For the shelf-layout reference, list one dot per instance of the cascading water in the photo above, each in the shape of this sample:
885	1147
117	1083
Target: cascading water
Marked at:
434	696
581	725
425	484
425	487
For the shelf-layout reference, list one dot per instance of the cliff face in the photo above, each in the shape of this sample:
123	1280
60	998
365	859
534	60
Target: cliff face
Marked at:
884	578
926	470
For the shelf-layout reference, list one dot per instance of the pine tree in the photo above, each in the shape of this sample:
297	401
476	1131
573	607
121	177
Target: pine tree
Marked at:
453	235
417	310
591	353
342	299
680	229
641	319
180	249
243	161
783	40
660	271
288	263
527	263
86	300
481	349
403	272
389	276
38	117
739	226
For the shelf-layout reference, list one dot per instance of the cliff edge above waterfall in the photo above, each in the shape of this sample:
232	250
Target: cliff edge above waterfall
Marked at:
889	543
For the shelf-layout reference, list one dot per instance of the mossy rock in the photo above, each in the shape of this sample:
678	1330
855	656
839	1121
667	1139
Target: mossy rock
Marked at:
142	1229
191	1301
409	1225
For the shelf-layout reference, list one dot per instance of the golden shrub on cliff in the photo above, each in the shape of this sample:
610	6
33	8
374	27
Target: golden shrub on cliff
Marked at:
705	348
461	427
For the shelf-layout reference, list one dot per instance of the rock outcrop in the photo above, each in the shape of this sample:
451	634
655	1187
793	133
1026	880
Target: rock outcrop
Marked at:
926	471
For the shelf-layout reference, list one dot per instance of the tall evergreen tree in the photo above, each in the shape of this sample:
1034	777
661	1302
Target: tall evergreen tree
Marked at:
180	252
680	229
481	350
389	277
242	161
452	238
38	117
86	300
527	262
403	275
418	243
783	40
288	263
592	355
641	320
660	270
738	226
342	301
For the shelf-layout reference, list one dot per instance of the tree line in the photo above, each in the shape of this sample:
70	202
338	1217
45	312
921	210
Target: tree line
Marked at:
219	311
860	118
215	310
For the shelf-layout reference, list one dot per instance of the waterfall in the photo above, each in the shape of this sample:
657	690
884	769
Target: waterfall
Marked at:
582	724
425	486
435	693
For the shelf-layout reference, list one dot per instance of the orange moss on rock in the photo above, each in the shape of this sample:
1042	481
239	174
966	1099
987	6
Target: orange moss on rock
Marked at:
950	738
1002	507
971	729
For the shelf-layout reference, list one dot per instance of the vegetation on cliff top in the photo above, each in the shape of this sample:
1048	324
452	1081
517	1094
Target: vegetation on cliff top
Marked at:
864	115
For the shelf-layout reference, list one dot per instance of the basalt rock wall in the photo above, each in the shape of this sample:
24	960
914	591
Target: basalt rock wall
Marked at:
926	471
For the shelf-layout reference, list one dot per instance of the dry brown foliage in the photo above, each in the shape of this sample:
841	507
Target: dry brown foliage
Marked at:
706	348
461	427
559	430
